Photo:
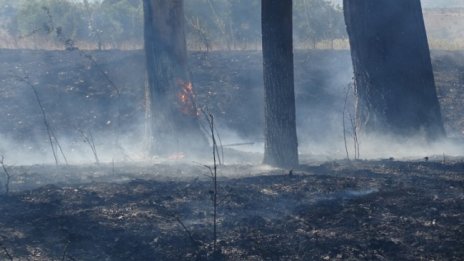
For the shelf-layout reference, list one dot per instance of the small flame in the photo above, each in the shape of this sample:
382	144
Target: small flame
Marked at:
186	98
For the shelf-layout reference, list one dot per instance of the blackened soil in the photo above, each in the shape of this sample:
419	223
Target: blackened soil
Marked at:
364	210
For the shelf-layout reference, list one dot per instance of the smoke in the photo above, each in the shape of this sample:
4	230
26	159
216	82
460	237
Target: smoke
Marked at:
228	83
77	97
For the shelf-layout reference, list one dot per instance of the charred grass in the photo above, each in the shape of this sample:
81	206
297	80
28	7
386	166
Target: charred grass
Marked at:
365	210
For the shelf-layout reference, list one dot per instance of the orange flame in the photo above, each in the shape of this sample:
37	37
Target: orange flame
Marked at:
186	98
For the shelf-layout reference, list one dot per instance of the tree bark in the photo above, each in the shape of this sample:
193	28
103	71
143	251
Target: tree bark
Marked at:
392	66
281	145
173	112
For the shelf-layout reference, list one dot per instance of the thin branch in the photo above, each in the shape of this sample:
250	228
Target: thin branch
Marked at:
89	140
210	120
65	251
8	255
170	216
53	140
355	137
69	45
189	233
210	171
344	125
221	158
224	199
7	174
59	147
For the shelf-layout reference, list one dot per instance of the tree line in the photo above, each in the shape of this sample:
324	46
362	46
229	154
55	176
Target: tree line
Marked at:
210	24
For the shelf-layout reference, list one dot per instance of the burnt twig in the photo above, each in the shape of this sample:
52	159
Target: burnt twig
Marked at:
65	251
53	140
355	137
8	255
187	231
7	174
88	138
170	217
210	119
344	125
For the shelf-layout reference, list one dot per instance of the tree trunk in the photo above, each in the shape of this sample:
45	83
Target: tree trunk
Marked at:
174	115
393	71
281	145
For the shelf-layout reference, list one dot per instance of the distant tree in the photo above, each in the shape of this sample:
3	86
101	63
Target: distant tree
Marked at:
174	115
393	71
335	25
113	22
39	18
119	21
245	22
201	28
228	23
210	23
281	145
318	20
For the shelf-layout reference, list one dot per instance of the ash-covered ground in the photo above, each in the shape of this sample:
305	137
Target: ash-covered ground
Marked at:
340	210
396	206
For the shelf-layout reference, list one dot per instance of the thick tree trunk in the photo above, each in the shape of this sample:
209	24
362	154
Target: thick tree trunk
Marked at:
393	71
174	115
281	145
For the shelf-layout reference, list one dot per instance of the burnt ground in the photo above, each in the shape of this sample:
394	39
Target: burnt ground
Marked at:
359	210
363	210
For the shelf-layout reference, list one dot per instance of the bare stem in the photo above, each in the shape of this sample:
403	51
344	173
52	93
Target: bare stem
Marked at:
53	140
210	119
113	85
215	183
186	231
65	251
89	140
8	255
7	174
344	125
355	137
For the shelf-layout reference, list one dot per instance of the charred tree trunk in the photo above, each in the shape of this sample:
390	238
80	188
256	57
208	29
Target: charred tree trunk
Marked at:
173	112
393	71
281	145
